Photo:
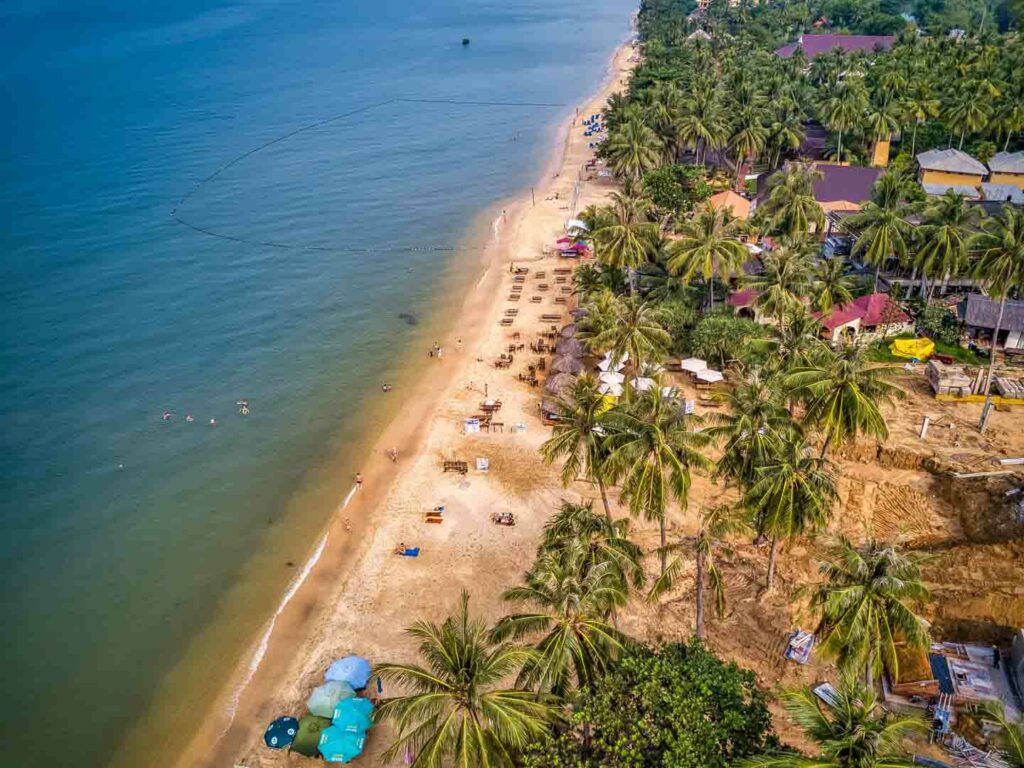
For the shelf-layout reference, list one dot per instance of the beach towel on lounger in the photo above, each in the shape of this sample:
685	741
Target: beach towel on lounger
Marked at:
411	552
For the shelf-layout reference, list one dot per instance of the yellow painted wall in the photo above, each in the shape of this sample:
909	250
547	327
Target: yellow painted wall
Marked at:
1016	179
880	156
943	177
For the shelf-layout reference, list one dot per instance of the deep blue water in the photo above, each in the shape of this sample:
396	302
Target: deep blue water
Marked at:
125	535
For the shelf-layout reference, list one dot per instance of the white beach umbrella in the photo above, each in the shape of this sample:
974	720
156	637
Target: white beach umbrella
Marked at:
693	364
651	369
642	384
669	392
572	224
611	377
615	390
709	376
607	364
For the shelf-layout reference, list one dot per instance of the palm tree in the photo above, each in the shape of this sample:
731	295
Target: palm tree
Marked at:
702	122
652	453
577	437
853	731
792	494
882	120
882	223
785	131
966	113
831	285
749	137
944	229
629	240
1000	246
605	540
867	604
791	205
784	280
843	107
708	247
919	105
636	333
842	394
632	149
715	524
571	600
1011	734
458	710
753	425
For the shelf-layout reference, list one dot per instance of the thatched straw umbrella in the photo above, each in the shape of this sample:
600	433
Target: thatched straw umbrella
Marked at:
558	383
567	364
568	331
570	347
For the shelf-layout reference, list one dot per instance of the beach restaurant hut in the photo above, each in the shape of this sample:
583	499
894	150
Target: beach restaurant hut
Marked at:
569	347
567	364
693	365
559	382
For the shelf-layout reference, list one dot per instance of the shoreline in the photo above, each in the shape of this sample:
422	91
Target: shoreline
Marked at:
292	634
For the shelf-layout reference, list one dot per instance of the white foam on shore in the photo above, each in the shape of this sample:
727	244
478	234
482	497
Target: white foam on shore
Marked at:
264	643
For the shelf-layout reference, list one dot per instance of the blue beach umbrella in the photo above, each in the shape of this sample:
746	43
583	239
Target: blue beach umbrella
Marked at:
353	714
281	732
338	746
354	670
324	699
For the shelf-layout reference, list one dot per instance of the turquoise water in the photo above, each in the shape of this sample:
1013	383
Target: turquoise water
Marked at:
126	536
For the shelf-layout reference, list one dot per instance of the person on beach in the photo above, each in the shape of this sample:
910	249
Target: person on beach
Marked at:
359	479
393	455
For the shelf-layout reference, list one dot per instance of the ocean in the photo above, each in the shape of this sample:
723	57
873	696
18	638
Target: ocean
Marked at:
204	203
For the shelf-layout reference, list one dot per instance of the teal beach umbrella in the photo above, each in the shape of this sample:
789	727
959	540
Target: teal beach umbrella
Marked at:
338	746
324	699
353	715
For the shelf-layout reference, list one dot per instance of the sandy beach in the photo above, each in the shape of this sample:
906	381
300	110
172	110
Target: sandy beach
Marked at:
358	597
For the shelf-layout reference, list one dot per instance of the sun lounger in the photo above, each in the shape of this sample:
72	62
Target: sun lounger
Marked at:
535	299
436	519
410	552
506	321
513	297
461	467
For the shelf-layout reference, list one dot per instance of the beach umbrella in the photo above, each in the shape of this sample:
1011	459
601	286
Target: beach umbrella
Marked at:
324	699
693	364
568	331
669	392
353	714
576	224
567	364
642	384
569	347
559	382
651	369
281	732
354	670
549	405
340	746
579	312
611	377
607	364
307	740
611	389
709	376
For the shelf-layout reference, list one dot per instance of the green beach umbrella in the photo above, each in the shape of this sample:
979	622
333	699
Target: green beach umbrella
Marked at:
324	699
307	740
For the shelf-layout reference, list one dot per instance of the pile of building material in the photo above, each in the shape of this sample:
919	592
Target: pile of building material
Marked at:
948	379
1010	387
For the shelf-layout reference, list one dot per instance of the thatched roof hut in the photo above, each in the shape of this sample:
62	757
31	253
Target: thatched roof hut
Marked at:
559	382
567	364
571	347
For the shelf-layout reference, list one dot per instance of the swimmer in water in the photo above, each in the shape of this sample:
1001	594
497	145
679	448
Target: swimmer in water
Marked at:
167	415
189	418
213	422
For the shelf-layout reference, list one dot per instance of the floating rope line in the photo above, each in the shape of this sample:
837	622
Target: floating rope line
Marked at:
319	124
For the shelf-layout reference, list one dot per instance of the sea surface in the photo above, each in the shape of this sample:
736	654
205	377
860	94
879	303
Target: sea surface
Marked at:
202	203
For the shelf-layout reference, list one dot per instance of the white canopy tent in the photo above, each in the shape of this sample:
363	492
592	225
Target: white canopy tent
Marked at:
709	376
642	384
610	377
607	364
615	390
693	365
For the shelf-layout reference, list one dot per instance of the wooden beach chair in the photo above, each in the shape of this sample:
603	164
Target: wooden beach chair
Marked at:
462	467
536	299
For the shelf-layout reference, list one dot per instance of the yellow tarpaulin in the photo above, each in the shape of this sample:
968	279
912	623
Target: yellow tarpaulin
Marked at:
919	349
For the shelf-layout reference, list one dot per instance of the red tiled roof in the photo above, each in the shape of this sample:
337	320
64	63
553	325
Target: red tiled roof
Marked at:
869	309
740	299
815	45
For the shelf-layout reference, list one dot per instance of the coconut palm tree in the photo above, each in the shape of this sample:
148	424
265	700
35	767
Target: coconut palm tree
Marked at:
882	119
790	204
749	136
866	601
602	314
966	113
842	395
792	494
943	236
630	239
708	247
715	524
605	540
785	279
785	131
571	599
1000	246
636	333
652	453
702	122
919	106
459	710
632	149
1010	740
853	731
577	437
884	231
755	421
843	108
831	285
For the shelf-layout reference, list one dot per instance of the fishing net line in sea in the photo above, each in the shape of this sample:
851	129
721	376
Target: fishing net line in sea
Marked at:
179	218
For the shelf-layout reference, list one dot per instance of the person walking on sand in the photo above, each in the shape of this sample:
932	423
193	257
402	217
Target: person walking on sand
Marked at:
359	479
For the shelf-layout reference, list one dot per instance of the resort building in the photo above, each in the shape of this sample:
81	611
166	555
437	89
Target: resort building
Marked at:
815	45
744	302
945	169
868	317
1007	168
980	318
736	204
844	187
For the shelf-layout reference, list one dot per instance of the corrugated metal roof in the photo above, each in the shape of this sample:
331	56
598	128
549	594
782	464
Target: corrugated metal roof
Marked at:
1007	162
1003	193
982	312
960	189
951	161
